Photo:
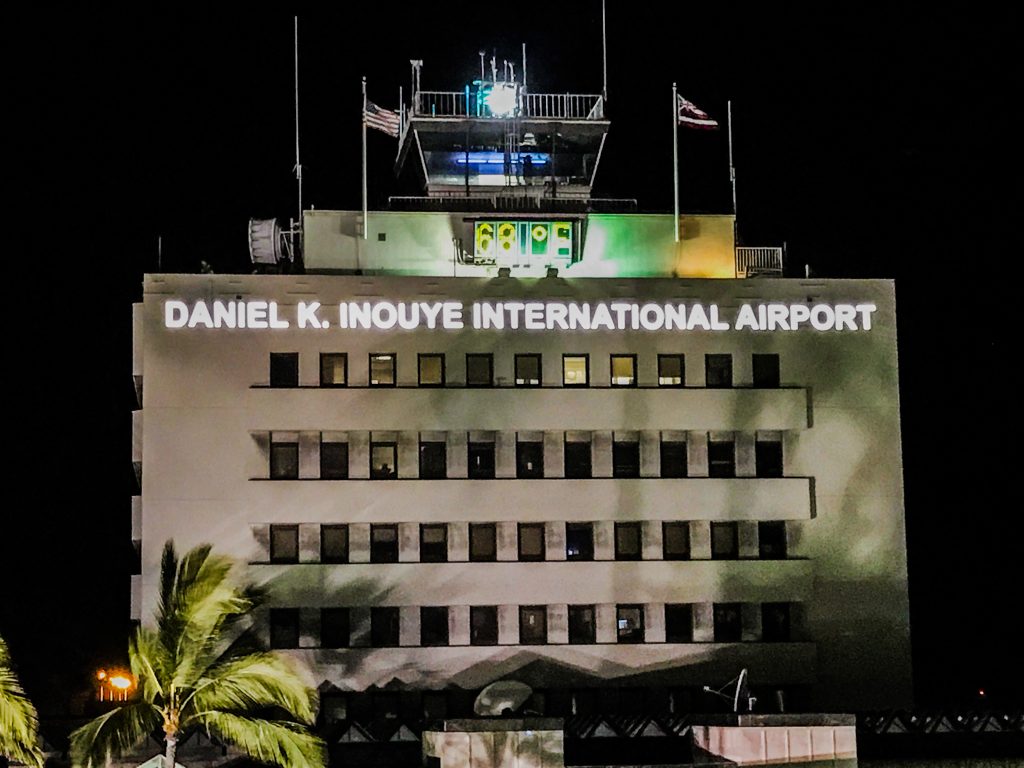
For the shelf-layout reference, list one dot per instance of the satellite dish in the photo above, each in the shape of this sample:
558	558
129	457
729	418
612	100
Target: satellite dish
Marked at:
501	697
265	242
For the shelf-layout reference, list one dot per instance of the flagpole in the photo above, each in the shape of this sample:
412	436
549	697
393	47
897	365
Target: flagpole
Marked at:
365	212
675	158
732	169
298	162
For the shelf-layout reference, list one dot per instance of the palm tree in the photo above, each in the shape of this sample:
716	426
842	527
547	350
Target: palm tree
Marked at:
190	676
19	725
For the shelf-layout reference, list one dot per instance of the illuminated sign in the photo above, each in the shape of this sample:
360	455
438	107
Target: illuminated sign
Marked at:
520	243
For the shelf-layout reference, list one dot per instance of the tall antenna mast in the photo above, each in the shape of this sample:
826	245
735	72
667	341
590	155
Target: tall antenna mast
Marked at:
298	164
604	56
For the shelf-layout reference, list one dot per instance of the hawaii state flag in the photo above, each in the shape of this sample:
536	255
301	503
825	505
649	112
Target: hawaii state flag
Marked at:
688	114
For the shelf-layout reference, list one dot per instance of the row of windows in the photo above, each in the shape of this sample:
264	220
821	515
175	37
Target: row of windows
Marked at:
531	546
480	457
284	370
532	625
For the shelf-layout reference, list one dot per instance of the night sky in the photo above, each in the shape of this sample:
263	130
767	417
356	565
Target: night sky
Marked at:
874	144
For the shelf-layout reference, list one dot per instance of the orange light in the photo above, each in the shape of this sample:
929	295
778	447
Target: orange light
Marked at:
101	675
121	682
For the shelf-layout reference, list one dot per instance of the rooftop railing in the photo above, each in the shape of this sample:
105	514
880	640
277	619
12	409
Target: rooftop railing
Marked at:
758	262
551	106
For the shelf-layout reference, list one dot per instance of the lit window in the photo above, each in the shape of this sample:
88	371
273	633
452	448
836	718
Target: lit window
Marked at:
629	622
679	623
284	460
623	370
333	369
481	461
766	371
579	541
531	541
383	543
483	546
775	622
528	371
483	625
771	539
529	459
721	458
728	625
577	459
673	458
383	461
576	370
479	370
718	371
333	460
334	543
431	370
676	540
334	628
284	627
768	458
434	543
533	625
434	626
724	541
625	458
284	369
671	370
384	627
284	543
582	627
382	370
627	541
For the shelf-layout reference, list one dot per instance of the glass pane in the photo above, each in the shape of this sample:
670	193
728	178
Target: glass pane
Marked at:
334	461
670	370
333	370
479	371
528	370
724	541
284	369
334	543
579	541
677	541
431	370
284	543
533	625
623	370
382	461
483	623
630	624
581	624
718	370
284	461
482	542
382	370
574	370
531	542
679	623
766	370
627	541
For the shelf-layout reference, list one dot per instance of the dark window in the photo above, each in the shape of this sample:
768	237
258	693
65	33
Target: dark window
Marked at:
579	541
333	369
531	541
333	460
434	625
284	460
728	626
433	460
671	371
383	461
284	627
383	543
575	370
679	623
435	705
333	707
724	541
718	370
384	623
431	370
533	625
625	458
284	369
382	369
481	461
479	370
768	457
482	542
528	371
284	543
771	539
434	543
334	629
529	459
334	543
766	370
577	460
582	627
676	540
721	458
623	368
673	459
627	541
629	622
775	622
483	625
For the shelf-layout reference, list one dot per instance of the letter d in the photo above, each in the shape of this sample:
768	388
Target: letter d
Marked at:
175	314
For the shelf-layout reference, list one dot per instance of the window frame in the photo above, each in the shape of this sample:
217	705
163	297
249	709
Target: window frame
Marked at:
720	356
686	637
394	369
291	445
489	357
590	460
542	611
726	525
611	370
343	469
324	557
543	543
444	454
540	370
764	525
436	611
589	526
477	558
679	525
374	475
419	370
774	381
276	614
325	356
590	637
283	527
718	463
672	445
616	465
339	611
716	625
394	621
374	553
291	356
629	526
641	627
760	470
487	611
522	472
586	369
470	445
682	370
423	543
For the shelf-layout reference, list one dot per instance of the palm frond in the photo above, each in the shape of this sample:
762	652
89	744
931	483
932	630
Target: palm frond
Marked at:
113	733
19	725
150	663
276	742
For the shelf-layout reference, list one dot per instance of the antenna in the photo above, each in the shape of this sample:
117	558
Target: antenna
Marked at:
604	56
741	696
298	164
482	54
524	66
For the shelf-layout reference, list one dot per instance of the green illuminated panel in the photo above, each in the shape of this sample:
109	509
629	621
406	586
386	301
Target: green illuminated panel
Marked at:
523	243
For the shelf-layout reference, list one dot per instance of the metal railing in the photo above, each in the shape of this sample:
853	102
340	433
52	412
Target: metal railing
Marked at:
560	106
440	104
753	262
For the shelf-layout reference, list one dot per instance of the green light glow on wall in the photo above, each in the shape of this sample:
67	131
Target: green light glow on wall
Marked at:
523	242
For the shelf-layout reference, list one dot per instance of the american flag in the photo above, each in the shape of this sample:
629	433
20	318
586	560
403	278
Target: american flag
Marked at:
691	116
381	119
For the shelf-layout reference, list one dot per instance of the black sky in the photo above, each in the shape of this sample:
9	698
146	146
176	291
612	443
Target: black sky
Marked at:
875	143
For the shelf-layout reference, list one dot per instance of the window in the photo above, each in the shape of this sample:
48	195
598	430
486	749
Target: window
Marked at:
675	539
533	625
724	541
383	543
679	623
434	543
333	543
431	370
529	459
481	461
284	627
771	539
627	541
582	627
384	623
433	460
528	370
718	370
775	622
284	369
334	628
333	460
721	458
333	369
434	626
768	458
382	370
577	460
383	461
479	370
284	543
673	459
625	458
728	626
579	541
623	369
482	542
671	371
575	370
766	371
483	625
629	622
531	541
284	460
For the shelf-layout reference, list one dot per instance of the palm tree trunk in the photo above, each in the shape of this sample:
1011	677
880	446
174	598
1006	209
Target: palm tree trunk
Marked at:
172	748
